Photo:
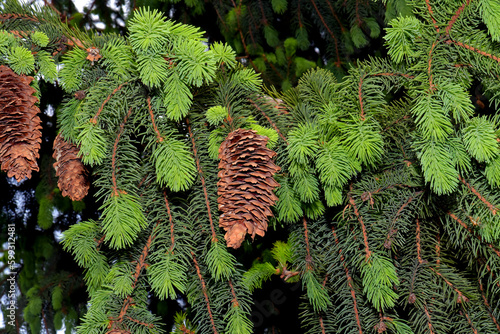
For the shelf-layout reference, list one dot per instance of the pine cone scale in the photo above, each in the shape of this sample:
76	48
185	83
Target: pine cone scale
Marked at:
73	175
246	185
20	135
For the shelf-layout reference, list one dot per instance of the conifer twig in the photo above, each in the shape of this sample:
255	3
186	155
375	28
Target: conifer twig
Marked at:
438	249
306	237
358	16
338	62
349	283
392	74
360	219
428	319
204	290
360	97
200	172
419	256
490	206
275	127
431	84
431	14
492	275
342	28
235	300
468	47
171	221
141	264
158	135
488	307
145	324
94	119
461	297
238	11
474	330
455	17
113	156
321	325
45	322
464	225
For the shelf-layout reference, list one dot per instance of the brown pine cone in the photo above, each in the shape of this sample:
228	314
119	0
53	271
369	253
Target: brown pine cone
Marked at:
20	135
72	173
246	185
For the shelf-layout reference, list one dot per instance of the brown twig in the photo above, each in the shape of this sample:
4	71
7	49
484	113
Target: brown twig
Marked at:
338	63
171	221
158	135
431	84
204	290
419	255
200	172
94	119
306	237
360	219
455	17
490	206
113	156
431	14
360	97
468	47
488	307
349	283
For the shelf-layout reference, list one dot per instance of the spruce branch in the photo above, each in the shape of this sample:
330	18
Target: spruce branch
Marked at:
200	173
350	283
488	307
352	204
455	17
204	290
330	32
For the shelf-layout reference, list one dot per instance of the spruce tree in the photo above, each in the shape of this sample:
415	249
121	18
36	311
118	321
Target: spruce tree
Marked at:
378	170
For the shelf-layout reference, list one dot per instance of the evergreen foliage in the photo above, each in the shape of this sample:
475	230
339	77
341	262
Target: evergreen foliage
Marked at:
388	206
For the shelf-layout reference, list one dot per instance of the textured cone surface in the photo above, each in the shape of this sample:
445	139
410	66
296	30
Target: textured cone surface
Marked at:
246	185
20	135
72	173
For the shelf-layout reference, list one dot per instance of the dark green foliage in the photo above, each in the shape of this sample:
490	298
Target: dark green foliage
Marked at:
388	210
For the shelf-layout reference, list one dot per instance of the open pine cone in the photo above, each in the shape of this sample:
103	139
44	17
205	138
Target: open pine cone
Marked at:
20	135
246	185
72	173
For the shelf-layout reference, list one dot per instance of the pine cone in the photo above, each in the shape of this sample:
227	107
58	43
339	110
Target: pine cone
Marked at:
72	173
20	135
246	185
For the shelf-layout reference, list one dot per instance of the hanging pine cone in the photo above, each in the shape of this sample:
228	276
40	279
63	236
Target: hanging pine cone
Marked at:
20	135
246	185
72	173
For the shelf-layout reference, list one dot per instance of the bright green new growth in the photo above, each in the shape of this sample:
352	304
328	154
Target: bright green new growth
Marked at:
165	276
220	262
317	294
401	38
39	38
302	143
480	139
175	166
47	66
92	142
379	278
21	60
267	132
389	167
216	114
122	219
259	273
